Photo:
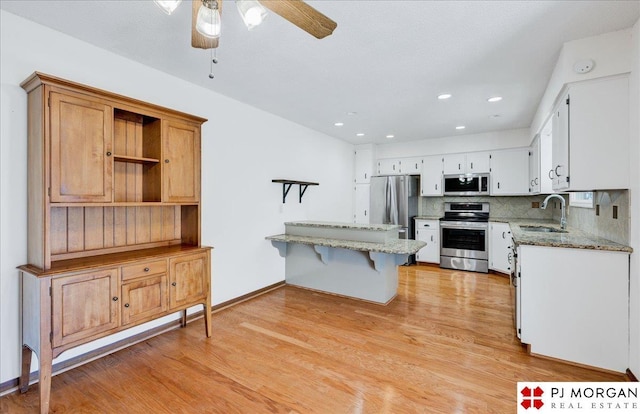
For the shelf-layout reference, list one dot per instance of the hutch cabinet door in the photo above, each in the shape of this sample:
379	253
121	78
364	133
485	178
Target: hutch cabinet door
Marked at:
144	298
188	276
181	167
84	305
81	146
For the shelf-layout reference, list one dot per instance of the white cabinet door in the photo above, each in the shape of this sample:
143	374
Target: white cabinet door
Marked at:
546	182
534	166
411	166
560	145
500	247
510	172
575	305
362	194
478	162
454	164
472	162
389	166
431	176
428	231
591	136
363	165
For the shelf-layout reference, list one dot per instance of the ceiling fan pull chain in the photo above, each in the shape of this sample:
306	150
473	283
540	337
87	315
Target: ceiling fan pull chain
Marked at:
213	57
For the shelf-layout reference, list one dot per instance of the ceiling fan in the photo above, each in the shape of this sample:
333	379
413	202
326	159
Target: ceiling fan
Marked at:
205	17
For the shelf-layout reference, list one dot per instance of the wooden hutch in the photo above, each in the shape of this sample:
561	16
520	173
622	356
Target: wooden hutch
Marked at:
113	219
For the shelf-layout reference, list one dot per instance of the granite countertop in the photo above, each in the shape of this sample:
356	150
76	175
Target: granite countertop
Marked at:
427	217
573	238
395	246
341	225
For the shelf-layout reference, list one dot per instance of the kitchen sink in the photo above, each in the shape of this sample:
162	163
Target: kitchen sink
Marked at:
542	229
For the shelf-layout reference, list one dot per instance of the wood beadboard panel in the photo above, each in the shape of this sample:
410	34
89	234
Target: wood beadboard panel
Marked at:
127	140
78	229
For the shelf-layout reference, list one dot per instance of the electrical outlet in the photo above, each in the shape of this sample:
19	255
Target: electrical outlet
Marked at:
615	212
535	204
597	209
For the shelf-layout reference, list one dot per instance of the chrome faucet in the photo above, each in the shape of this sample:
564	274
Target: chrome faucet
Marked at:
563	219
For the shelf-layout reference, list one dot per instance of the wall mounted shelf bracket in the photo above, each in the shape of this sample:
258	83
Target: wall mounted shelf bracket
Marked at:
286	186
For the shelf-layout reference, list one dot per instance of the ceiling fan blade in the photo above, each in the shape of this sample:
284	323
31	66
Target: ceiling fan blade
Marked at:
302	15
197	40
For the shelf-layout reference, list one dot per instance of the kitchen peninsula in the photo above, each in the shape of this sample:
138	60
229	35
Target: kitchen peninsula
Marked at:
354	260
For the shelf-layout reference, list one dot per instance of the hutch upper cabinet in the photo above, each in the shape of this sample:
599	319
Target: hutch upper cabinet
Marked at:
113	219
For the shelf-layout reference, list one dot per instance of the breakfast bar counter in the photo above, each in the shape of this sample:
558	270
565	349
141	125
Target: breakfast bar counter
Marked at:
354	260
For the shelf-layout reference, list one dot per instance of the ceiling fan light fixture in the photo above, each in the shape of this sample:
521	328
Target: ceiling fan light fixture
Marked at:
167	6
208	21
252	12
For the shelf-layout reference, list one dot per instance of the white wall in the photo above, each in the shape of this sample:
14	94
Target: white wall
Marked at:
243	149
634	202
487	141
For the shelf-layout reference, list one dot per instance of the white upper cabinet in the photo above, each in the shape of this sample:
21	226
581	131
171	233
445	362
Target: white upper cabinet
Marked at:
510	172
534	166
473	162
454	164
412	165
478	162
364	165
389	166
591	136
431	176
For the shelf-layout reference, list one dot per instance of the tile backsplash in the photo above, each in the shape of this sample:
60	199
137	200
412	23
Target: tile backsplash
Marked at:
603	224
585	219
500	207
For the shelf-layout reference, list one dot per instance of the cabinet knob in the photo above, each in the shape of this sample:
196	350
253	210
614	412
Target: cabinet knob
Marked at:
166	161
115	298
108	153
146	269
126	305
174	284
551	174
556	171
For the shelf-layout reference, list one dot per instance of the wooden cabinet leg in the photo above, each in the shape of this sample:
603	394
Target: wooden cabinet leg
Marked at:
207	317
45	380
23	382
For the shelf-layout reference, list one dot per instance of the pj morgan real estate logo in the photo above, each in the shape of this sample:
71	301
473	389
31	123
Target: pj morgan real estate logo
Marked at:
578	397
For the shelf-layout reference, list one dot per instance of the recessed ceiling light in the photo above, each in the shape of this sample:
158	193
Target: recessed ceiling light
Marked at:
444	96
360	134
352	113
460	127
339	124
390	136
494	99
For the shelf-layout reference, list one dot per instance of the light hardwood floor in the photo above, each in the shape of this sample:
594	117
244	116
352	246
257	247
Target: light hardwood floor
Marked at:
446	344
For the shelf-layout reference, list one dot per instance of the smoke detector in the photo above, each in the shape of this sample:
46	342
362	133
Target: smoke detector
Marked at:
583	66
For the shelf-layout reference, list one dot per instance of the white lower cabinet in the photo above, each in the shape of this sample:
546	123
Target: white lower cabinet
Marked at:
575	305
500	247
428	231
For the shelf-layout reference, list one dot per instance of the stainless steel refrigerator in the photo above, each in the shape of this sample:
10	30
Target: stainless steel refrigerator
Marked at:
394	200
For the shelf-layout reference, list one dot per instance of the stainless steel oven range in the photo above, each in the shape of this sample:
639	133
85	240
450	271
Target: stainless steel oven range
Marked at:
464	237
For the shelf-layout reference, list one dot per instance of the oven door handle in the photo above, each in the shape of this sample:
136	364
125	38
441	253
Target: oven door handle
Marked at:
463	225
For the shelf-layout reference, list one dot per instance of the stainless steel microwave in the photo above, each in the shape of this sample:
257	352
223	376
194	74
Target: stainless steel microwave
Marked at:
466	184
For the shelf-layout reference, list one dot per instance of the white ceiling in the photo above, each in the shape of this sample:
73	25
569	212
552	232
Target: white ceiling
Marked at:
387	60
